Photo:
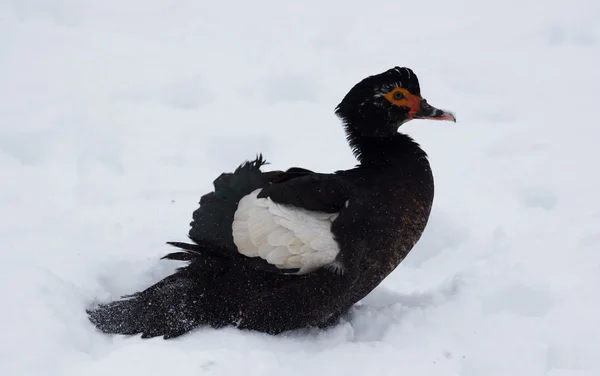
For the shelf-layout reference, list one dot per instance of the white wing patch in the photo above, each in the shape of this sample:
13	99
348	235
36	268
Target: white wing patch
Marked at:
287	237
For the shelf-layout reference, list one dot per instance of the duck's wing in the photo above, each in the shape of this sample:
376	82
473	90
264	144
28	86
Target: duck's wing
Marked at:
316	192
277	221
276	177
287	225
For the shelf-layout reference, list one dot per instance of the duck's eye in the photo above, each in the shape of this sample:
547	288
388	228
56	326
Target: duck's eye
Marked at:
398	95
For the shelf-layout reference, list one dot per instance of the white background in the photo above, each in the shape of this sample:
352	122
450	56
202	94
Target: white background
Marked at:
115	117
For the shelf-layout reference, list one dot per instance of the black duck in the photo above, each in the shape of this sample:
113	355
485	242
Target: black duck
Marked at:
274	251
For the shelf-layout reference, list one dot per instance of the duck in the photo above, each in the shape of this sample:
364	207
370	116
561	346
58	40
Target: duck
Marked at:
283	250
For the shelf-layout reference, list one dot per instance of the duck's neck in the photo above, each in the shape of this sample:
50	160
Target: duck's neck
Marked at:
377	150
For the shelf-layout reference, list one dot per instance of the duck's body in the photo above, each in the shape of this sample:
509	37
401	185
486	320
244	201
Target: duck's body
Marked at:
364	221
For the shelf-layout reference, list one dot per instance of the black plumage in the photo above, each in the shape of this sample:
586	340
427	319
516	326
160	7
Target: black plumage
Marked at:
383	204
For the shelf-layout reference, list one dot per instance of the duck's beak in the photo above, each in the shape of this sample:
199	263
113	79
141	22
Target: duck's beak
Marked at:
427	111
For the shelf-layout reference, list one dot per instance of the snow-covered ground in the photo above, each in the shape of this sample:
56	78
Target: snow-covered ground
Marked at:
115	116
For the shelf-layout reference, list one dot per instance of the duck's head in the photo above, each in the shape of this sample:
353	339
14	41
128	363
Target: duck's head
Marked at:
378	105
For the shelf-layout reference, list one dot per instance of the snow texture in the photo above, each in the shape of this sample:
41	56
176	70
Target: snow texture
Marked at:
284	236
115	117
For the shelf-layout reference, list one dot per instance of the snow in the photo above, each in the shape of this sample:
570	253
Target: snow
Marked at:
116	116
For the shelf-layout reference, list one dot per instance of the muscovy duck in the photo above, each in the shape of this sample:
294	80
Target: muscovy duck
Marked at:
274	251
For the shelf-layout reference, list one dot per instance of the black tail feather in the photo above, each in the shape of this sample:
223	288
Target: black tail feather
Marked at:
170	308
193	251
186	246
199	250
173	306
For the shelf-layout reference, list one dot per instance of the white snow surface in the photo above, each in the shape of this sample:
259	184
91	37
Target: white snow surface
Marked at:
116	116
